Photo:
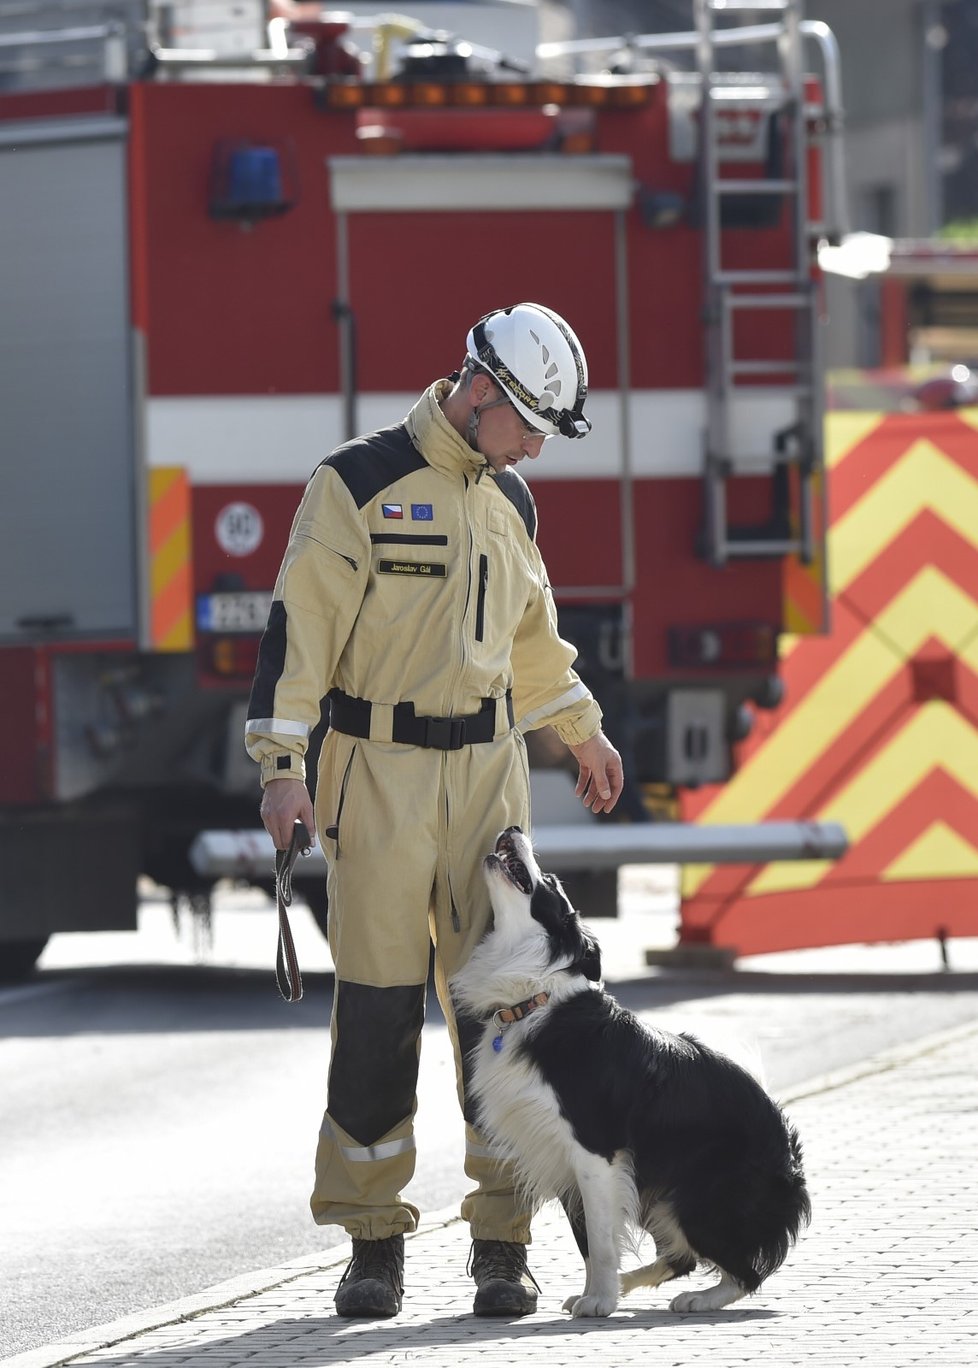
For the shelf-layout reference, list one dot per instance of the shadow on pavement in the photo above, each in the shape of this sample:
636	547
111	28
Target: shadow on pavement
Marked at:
133	999
331	1340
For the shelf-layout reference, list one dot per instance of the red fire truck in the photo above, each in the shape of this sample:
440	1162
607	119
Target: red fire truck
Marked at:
216	267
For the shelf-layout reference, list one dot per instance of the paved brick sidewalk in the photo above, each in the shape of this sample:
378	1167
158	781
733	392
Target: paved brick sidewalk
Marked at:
886	1276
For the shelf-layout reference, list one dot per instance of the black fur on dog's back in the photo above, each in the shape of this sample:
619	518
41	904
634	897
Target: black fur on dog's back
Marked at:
703	1136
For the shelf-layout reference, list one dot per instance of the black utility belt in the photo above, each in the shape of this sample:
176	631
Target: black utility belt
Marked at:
352	716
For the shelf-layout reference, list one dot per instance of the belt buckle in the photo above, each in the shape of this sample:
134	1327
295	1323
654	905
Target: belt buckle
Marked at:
445	733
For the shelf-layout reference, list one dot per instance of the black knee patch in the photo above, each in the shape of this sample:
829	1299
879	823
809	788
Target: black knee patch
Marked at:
469	1035
373	1075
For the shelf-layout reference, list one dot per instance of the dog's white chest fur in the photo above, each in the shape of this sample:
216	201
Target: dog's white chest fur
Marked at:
519	1112
521	1116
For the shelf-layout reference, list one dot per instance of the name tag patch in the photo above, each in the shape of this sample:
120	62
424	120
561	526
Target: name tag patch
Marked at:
422	569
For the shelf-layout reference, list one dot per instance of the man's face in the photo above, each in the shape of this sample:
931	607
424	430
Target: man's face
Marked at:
505	437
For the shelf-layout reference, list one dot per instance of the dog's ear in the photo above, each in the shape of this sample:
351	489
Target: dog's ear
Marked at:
583	946
589	963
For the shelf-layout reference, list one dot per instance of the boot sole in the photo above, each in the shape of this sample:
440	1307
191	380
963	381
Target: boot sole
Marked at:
367	1303
367	1312
513	1308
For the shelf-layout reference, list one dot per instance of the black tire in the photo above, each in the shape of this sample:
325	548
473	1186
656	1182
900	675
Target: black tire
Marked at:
18	958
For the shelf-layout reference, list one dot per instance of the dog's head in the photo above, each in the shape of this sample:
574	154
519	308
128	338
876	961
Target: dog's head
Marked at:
521	894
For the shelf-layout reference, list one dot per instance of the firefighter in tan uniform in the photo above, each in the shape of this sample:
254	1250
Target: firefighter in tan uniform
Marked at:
413	593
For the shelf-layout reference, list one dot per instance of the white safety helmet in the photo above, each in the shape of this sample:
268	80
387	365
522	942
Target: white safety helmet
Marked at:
539	363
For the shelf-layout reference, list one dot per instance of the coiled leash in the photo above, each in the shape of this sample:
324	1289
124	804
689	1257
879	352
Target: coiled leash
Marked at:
287	974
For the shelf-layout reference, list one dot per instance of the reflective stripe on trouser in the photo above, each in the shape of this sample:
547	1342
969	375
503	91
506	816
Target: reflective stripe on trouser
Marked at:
371	1176
412	828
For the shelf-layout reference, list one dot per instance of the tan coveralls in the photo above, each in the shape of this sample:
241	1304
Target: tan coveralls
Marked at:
412	574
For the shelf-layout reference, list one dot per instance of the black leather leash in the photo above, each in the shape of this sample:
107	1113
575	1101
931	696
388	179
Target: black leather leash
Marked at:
287	974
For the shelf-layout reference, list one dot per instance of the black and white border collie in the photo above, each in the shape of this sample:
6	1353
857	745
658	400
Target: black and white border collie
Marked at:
632	1129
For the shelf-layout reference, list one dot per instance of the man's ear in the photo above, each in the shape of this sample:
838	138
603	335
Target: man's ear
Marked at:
481	387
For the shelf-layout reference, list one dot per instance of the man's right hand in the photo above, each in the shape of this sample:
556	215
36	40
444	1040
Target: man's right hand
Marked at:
285	802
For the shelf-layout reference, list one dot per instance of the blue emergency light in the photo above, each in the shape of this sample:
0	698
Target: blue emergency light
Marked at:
249	182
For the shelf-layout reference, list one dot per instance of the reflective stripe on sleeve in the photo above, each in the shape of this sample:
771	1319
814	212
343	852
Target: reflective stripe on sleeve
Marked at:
266	725
573	695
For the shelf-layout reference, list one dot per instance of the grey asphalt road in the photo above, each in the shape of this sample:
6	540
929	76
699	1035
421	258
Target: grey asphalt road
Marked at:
160	1103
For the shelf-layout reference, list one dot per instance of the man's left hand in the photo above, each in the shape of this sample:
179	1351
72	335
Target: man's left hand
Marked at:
600	776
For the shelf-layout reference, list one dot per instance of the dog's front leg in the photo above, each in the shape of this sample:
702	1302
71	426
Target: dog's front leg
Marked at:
596	1180
574	1211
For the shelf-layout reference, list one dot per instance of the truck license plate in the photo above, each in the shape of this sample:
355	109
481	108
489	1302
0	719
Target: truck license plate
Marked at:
237	612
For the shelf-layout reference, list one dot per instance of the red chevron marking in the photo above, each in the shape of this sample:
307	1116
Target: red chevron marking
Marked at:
870	459
939	796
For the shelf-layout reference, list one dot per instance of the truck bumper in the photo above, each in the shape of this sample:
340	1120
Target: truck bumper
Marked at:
571	846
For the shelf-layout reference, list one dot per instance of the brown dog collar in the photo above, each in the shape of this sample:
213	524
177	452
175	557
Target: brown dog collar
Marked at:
505	1016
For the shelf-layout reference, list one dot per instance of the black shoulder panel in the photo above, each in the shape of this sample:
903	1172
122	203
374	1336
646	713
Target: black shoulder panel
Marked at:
368	465
517	492
271	662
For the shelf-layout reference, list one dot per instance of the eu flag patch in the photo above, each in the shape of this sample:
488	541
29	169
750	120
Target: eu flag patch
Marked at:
393	510
422	512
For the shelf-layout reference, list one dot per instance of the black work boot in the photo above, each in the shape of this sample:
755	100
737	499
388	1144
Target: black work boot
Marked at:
505	1284
373	1283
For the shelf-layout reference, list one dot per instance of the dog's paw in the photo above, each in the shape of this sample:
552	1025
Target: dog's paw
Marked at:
709	1298
693	1301
590	1305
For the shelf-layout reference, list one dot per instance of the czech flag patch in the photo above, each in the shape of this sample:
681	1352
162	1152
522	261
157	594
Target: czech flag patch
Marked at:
393	510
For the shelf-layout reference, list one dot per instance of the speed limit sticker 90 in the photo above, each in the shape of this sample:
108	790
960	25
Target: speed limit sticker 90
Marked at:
239	529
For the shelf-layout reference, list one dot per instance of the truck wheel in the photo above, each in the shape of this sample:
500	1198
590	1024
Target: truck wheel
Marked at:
17	958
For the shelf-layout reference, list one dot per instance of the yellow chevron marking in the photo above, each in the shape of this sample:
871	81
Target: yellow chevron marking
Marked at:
937	853
171	557
936	737
843	431
161	478
787	644
180	637
923	478
930	605
967	650
968	415
170	561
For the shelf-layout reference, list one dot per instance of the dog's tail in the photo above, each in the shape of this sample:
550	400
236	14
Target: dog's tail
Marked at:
787	1211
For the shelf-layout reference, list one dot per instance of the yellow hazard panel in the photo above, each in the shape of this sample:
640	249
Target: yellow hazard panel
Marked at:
170	577
879	727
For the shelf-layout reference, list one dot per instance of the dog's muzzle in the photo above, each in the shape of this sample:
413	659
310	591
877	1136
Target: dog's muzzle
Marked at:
506	857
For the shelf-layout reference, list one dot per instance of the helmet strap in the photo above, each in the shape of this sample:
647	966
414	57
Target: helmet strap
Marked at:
472	430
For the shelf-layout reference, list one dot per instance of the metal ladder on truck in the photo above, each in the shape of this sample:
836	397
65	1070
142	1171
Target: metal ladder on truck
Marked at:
795	451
